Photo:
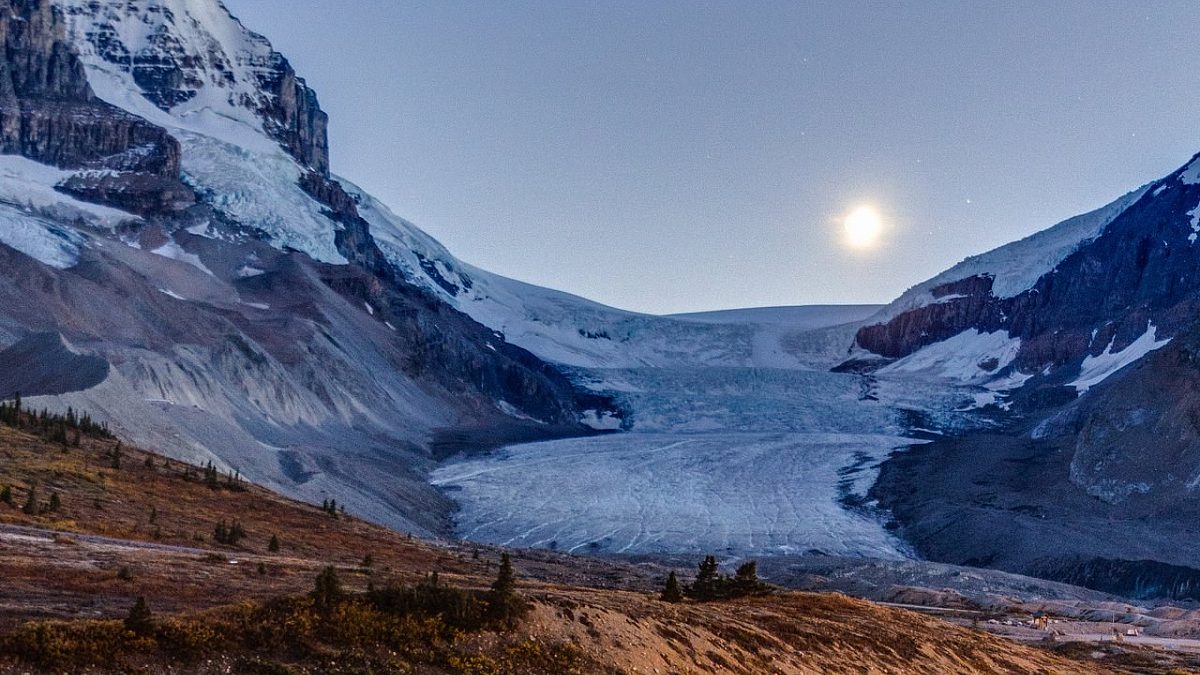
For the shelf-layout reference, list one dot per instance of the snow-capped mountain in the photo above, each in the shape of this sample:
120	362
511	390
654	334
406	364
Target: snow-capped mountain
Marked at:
253	309
166	208
1090	327
1102	288
180	261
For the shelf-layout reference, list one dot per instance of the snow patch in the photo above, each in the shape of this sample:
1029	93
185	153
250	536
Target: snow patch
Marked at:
601	421
962	357
40	239
1095	369
174	251
514	412
1191	173
29	185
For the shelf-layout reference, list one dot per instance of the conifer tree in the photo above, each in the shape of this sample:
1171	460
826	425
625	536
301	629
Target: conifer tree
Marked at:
706	585
504	605
273	546
140	620
6	495
55	502
328	590
746	581
672	591
31	506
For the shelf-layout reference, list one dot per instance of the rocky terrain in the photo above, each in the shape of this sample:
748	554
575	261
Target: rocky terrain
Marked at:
128	524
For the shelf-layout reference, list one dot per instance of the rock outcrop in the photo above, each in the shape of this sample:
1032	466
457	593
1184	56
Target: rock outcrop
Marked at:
48	113
1141	270
190	49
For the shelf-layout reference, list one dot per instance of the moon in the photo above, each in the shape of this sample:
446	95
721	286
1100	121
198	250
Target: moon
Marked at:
862	227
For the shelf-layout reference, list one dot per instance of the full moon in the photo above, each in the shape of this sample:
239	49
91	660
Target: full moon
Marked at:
862	227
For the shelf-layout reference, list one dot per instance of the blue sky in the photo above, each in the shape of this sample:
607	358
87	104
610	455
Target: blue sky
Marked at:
675	156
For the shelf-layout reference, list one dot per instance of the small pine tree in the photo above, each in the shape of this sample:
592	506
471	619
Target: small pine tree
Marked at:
705	587
262	569
153	515
328	590
504	605
672	592
31	506
140	621
55	502
273	546
368	560
6	495
506	581
746	581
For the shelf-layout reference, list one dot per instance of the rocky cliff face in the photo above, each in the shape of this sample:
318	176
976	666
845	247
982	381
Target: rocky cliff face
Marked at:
48	113
1141	270
188	54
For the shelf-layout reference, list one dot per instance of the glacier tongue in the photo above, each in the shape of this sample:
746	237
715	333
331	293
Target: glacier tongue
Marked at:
743	461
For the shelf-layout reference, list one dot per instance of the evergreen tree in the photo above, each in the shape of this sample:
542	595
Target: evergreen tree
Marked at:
746	581
504	605
506	581
708	581
273	546
672	592
55	502
140	620
31	507
328	590
6	495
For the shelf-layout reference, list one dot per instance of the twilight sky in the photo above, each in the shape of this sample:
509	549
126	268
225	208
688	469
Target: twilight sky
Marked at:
672	156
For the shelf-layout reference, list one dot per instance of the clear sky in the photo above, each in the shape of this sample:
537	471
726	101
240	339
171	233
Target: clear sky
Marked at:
674	156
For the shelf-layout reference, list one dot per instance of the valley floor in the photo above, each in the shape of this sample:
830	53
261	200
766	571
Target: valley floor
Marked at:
139	526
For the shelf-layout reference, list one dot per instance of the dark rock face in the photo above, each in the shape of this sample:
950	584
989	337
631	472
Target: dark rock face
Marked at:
1102	490
49	114
294	117
960	305
145	194
1143	268
444	344
170	72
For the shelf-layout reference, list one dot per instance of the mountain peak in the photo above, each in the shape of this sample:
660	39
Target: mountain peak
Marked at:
195	62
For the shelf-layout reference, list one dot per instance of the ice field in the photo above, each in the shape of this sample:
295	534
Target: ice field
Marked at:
741	461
